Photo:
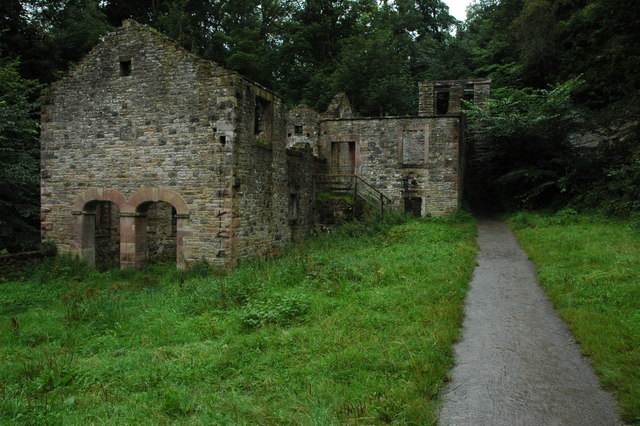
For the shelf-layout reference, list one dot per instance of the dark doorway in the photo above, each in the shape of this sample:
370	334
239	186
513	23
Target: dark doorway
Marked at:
413	205
107	235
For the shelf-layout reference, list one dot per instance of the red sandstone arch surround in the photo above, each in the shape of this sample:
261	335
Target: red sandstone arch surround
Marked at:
133	250
136	241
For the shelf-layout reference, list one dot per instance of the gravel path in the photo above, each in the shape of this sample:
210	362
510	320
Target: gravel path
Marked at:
517	364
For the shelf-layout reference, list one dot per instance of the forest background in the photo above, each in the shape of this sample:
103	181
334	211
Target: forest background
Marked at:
564	73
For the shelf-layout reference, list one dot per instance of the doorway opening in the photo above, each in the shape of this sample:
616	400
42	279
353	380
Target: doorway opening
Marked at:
161	231
106	234
343	158
413	206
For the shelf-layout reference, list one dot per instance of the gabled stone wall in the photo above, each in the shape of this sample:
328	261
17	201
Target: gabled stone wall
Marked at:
141	120
303	128
157	125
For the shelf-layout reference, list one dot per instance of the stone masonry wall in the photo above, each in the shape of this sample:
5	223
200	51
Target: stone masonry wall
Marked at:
261	197
404	157
479	89
301	165
167	125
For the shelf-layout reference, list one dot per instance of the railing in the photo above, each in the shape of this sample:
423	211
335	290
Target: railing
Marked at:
354	185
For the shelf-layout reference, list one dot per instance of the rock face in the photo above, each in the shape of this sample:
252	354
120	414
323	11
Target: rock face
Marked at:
148	151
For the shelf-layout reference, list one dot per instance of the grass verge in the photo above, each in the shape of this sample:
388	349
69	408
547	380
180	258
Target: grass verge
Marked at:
356	327
590	268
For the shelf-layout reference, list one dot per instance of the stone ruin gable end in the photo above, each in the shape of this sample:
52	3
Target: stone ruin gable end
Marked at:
169	124
429	168
303	128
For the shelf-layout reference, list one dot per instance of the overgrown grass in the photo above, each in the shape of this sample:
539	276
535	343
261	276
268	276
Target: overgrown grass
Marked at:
590	268
355	327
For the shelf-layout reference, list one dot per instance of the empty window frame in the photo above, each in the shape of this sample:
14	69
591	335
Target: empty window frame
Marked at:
262	119
442	100
413	148
125	67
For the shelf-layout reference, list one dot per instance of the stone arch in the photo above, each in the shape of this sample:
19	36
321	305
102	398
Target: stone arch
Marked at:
146	195
83	233
136	248
85	201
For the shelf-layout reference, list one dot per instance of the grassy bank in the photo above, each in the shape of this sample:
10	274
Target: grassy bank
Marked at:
355	327
590	268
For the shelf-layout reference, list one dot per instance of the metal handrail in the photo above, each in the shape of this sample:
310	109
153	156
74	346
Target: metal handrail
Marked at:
358	186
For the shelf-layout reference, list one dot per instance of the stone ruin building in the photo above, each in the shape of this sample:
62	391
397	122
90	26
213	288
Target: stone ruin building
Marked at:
149	152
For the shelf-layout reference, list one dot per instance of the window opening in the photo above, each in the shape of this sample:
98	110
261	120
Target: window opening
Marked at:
261	115
468	97
293	206
442	101
298	130
125	68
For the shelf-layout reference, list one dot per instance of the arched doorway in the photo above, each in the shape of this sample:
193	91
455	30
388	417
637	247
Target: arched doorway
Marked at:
160	223
104	216
161	231
96	231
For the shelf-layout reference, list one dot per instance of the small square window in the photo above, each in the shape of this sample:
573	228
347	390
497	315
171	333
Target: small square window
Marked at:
298	130
125	68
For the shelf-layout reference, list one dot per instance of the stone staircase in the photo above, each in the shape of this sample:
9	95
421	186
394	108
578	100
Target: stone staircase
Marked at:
351	186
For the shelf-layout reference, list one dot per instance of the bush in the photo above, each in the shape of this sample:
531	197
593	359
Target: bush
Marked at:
529	154
278	310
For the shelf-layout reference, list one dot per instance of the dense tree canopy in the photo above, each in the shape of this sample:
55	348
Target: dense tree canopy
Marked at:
19	153
308	50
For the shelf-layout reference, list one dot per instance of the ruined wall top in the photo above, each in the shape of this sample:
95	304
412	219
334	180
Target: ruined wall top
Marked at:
442	97
340	107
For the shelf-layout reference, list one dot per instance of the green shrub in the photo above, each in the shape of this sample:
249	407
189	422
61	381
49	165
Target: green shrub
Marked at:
529	153
278	310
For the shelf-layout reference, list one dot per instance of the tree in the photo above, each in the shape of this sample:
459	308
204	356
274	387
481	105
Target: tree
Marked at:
373	69
19	153
530	158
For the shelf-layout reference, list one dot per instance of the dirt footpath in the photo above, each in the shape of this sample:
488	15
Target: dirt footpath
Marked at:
517	364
